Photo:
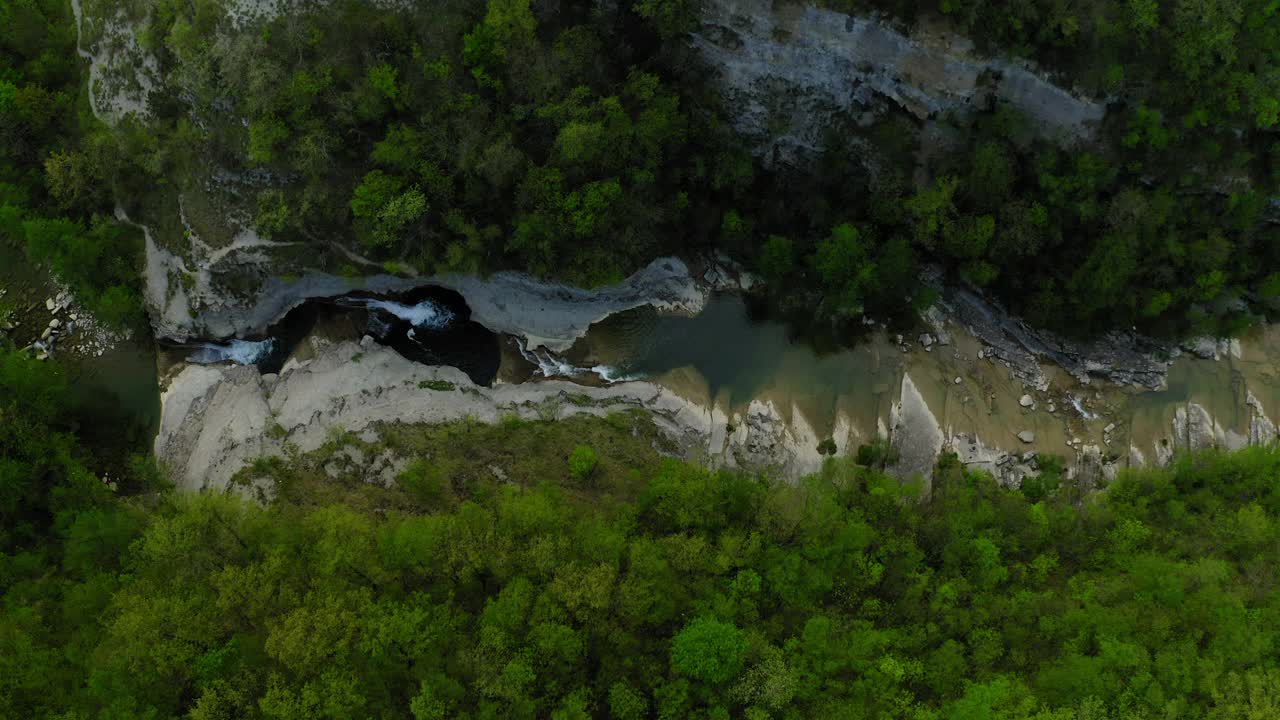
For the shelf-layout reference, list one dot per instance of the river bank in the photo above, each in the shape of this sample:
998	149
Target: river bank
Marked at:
737	389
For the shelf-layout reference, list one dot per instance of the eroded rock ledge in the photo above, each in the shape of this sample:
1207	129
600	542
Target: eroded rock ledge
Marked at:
218	419
546	314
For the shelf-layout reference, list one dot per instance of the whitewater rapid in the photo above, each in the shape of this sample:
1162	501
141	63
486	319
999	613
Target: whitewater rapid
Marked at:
426	314
551	365
236	352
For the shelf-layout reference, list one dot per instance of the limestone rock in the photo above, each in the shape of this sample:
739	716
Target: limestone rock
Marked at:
1193	427
916	434
794	72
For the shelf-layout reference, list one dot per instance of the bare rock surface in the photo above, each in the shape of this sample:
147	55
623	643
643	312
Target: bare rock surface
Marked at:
792	71
915	434
1124	358
217	419
546	314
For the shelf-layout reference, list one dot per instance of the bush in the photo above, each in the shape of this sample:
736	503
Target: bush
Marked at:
582	462
430	484
877	454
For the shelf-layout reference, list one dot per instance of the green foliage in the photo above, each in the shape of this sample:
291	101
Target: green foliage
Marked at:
98	262
44	478
57	168
265	134
709	651
581	145
777	258
843	263
682	592
582	462
672	18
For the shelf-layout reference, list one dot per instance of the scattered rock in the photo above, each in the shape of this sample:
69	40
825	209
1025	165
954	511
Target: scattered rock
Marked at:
49	304
957	380
1027	436
55	323
926	340
1026	401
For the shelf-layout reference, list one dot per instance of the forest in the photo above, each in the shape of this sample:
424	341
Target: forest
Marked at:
580	141
610	582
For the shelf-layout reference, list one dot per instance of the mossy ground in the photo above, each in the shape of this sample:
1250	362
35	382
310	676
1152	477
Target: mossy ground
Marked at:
468	459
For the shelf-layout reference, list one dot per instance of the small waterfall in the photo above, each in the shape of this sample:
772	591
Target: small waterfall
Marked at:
237	352
1075	403
551	365
613	375
426	314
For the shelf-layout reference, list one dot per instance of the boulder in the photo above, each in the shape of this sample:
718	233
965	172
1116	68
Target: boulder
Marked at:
1027	436
1026	401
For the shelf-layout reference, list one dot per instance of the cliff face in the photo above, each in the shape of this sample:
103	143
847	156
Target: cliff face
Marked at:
792	71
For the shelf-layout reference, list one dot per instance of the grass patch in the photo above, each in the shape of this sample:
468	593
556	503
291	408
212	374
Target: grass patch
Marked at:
438	385
432	468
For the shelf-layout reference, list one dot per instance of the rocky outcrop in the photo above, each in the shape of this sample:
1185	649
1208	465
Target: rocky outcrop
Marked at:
1194	428
792	71
915	434
546	314
1124	358
215	420
122	73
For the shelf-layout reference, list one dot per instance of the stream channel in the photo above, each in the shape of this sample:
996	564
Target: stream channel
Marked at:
734	353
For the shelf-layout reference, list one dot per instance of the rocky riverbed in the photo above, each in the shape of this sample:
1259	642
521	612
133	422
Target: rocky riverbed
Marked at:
992	391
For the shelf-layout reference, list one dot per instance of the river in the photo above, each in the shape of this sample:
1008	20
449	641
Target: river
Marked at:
733	354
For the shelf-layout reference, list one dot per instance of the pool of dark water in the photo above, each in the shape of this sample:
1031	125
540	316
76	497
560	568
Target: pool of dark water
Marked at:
430	325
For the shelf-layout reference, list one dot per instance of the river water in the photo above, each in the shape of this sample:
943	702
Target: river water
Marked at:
729	356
